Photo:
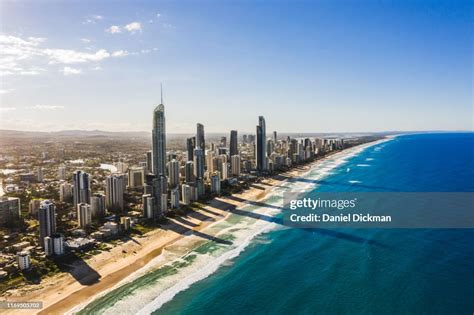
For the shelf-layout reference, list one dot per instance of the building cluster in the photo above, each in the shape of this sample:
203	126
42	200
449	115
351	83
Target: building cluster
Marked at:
164	179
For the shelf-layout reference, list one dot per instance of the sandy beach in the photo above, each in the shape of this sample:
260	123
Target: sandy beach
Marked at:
64	292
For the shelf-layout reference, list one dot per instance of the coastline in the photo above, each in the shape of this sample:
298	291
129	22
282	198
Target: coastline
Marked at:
64	293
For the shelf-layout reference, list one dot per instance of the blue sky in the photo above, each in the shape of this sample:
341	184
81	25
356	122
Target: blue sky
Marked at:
307	66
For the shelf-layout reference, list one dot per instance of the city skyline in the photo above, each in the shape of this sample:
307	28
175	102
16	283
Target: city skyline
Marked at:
371	70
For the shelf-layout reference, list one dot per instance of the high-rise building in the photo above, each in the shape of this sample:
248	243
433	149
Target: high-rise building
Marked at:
235	165
173	171
223	142
233	143
149	161
189	172
54	245
84	215
200	187
62	172
148	206
186	189
47	220
158	184
198	163
81	191
136	177
9	210
34	206
39	174
159	139
98	206
275	137
215	184
200	142
261	147
23	260
114	192
211	162
65	192
175	198
270	147
225	171
190	145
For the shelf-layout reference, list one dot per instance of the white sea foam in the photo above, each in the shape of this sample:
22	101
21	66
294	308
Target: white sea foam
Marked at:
363	165
355	182
150	298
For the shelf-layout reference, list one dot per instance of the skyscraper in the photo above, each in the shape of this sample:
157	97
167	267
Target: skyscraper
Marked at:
190	145
65	192
9	210
84	215
198	163
81	191
173	170
275	136
47	220
189	172
235	165
114	192
261	147
136	176
233	143
98	206
159	139
149	161
200	142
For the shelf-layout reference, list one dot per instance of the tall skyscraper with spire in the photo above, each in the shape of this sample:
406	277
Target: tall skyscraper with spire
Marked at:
261	148
159	139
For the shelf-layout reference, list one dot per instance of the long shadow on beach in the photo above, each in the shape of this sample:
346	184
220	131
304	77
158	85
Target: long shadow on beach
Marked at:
78	268
182	229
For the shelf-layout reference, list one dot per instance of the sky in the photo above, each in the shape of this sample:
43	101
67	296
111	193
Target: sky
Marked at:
306	66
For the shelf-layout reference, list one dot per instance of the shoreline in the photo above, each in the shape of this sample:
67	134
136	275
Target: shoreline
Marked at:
63	293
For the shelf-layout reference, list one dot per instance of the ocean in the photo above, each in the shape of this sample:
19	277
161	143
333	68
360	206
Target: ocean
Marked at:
272	269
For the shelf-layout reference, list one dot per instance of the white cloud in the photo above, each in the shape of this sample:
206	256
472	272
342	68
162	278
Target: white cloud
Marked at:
158	15
7	109
68	56
71	71
114	29
92	19
27	56
120	53
46	107
97	68
133	27
85	40
168	25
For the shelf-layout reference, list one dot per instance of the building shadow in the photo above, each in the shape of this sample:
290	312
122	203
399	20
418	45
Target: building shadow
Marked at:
178	226
78	268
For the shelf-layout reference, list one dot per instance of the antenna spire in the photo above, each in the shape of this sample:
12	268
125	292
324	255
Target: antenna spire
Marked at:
161	88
